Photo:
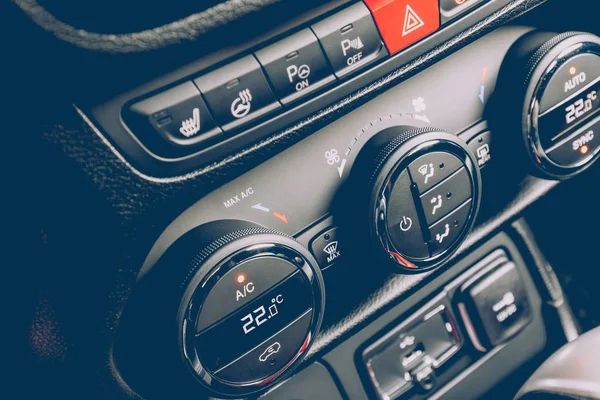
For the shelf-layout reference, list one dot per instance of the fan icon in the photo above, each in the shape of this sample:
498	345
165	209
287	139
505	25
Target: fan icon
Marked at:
332	156
419	104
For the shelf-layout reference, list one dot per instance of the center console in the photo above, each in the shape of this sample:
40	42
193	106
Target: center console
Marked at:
378	257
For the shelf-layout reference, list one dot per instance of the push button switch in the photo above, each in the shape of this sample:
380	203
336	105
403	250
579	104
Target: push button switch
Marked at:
350	39
432	168
444	233
326	248
237	93
453	8
403	221
295	66
241	285
579	147
495	305
179	115
270	356
404	22
446	196
570	78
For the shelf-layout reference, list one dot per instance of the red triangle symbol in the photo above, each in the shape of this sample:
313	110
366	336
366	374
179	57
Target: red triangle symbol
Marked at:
412	21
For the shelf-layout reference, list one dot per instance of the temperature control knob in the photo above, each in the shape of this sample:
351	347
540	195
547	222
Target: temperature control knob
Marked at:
422	194
557	78
250	304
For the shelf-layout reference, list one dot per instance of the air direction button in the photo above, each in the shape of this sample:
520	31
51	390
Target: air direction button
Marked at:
350	39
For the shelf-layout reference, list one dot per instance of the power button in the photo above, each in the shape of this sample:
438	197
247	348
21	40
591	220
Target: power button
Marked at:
403	221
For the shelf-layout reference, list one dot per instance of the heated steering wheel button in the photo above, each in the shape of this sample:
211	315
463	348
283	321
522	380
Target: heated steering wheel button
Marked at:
403	221
444	233
446	196
270	356
296	66
179	115
237	93
432	168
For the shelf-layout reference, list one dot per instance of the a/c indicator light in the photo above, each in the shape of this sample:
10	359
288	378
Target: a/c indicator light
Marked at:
572	70
241	278
584	149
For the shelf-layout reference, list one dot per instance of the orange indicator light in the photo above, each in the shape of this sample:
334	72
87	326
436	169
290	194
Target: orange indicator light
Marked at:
241	278
584	149
572	70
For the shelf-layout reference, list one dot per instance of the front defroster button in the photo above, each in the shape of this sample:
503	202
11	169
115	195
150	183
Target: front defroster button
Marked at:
350	39
237	93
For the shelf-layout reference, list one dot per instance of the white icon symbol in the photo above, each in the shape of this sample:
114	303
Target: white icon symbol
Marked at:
332	250
440	238
355	44
419	104
405	224
260	207
437	203
427	171
412	21
246	290
191	126
505	307
332	156
582	140
272	349
341	167
348	44
301	72
407	341
483	154
241	105
482	94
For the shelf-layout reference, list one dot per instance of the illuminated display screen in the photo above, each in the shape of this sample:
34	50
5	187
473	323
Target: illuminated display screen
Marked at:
254	323
557	123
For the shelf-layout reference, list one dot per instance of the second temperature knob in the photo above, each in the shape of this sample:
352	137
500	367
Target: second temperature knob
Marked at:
423	195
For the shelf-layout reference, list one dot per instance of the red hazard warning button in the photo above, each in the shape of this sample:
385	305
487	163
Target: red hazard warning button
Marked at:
404	22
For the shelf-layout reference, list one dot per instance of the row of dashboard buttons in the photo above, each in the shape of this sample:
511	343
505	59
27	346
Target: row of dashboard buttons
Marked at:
441	199
232	96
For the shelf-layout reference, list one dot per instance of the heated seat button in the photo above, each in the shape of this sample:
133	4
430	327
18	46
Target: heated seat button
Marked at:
452	8
241	285
495	305
404	22
403	224
432	168
271	355
296	66
569	79
444	233
350	39
237	93
445	197
179	115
